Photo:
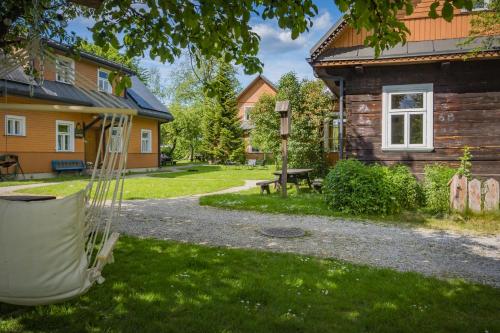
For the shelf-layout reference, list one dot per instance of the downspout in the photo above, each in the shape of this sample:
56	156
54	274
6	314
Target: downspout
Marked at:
159	143
341	120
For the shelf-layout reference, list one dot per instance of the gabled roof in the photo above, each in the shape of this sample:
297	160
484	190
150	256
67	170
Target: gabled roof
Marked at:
138	96
254	81
327	38
428	48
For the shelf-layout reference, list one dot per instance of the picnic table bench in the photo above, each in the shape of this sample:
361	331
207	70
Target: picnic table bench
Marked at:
265	185
68	165
295	176
317	185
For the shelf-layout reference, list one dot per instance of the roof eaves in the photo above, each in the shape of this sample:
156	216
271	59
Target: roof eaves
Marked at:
92	57
327	38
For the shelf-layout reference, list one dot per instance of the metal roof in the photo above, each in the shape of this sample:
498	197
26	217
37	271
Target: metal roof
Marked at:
66	93
410	49
92	57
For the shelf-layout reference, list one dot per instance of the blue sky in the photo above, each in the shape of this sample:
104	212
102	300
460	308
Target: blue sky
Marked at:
278	52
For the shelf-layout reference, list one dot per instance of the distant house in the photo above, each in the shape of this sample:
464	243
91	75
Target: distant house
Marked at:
39	137
246	101
417	103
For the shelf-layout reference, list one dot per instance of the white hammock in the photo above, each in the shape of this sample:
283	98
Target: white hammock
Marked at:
54	250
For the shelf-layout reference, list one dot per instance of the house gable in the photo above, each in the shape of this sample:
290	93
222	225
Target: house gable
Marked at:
421	26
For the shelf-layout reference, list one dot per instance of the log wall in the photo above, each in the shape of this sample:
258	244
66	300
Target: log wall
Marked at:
466	112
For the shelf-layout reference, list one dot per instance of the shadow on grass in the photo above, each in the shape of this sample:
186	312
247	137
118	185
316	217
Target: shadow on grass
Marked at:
158	286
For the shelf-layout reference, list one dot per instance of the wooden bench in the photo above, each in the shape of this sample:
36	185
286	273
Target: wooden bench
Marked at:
317	185
264	185
68	165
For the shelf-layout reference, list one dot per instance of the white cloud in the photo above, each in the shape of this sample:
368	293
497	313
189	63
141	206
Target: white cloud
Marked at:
323	21
277	40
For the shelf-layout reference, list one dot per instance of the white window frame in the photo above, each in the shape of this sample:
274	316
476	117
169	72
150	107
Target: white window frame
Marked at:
22	127
486	7
150	141
119	143
246	112
110	87
330	123
71	134
70	80
428	117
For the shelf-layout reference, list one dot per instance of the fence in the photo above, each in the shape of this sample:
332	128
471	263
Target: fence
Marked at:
474	195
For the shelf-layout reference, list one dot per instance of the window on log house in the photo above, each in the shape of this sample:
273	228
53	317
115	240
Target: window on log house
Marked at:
407	120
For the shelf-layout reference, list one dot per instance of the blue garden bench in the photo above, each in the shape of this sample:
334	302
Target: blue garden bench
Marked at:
68	165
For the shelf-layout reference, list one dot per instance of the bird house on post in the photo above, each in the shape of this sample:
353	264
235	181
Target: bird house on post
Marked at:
283	107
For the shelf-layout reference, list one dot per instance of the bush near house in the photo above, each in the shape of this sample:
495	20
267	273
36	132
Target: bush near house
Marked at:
436	189
354	187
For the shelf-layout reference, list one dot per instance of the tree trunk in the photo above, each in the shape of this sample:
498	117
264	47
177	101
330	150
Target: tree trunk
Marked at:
171	152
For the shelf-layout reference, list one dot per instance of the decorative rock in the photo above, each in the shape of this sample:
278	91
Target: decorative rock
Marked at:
282	232
458	193
492	195
475	196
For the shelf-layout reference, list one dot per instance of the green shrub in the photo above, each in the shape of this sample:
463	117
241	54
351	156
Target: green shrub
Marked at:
404	187
356	188
436	189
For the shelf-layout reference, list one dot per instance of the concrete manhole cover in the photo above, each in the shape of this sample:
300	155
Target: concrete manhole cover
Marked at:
282	232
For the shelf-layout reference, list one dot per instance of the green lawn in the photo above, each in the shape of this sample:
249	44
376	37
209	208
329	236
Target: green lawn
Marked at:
201	179
63	178
158	286
312	204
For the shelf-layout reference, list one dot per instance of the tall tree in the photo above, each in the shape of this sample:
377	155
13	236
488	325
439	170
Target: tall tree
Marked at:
222	133
311	105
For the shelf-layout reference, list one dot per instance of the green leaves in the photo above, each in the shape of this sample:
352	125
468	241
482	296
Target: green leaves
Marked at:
447	11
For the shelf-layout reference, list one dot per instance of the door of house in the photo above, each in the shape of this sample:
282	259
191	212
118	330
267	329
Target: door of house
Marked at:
91	144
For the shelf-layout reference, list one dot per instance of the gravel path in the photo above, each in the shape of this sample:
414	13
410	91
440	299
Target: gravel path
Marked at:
10	190
431	252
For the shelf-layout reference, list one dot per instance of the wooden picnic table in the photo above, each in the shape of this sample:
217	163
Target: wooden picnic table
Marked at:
294	176
27	198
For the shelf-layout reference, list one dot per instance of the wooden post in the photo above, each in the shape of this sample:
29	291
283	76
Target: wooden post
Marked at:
458	193
283	107
284	166
492	195
475	196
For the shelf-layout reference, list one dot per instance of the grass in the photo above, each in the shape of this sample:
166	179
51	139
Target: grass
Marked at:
204	179
159	286
312	204
63	178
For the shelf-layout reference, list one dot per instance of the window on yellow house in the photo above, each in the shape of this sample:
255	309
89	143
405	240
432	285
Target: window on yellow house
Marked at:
146	146
15	125
65	136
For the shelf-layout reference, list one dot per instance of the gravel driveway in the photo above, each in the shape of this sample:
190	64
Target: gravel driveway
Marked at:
431	252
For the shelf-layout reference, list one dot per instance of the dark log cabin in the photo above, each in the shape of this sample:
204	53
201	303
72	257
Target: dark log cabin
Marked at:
418	103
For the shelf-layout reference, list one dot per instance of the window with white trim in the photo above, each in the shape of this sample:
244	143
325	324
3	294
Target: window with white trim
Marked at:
65	136
331	135
479	5
115	145
247	111
65	70
103	84
15	125
146	141
407	117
